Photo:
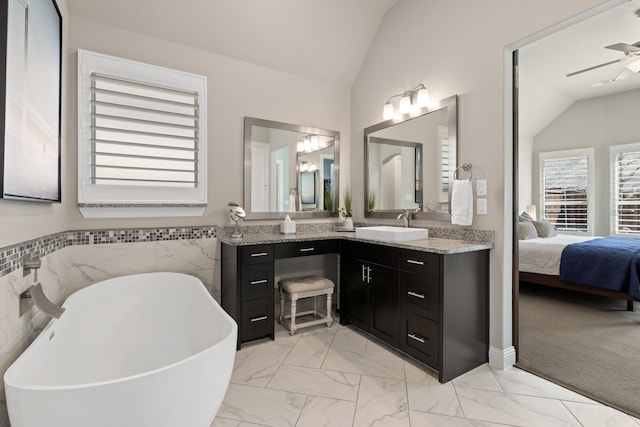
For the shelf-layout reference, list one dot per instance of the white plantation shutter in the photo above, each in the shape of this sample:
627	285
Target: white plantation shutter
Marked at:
143	134
566	189
626	189
142	137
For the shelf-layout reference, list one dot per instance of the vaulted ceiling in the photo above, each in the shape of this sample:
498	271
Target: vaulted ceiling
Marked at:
326	40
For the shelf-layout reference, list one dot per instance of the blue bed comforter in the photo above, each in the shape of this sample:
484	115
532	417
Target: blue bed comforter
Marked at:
611	263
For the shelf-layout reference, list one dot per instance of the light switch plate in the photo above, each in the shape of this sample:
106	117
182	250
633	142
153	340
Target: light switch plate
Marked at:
481	206
481	187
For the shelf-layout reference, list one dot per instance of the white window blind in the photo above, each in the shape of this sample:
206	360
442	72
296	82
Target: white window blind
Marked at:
143	134
141	139
566	186
626	189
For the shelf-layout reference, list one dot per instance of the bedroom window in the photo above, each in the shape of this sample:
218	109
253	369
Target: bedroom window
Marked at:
625	168
566	189
142	139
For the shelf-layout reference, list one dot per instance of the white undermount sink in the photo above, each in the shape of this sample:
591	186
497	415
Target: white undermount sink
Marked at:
390	233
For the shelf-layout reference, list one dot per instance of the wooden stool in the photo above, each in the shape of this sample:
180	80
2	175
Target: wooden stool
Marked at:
305	287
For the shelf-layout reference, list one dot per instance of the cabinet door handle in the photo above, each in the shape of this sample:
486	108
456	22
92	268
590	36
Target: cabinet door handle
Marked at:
260	254
307	249
364	277
413	261
369	270
417	338
258	319
417	295
259	282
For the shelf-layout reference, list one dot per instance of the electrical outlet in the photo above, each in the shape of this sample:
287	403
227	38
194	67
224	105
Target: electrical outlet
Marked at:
481	206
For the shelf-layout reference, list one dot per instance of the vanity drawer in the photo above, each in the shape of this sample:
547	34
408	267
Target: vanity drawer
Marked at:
257	319
315	247
420	262
419	338
420	295
255	254
256	281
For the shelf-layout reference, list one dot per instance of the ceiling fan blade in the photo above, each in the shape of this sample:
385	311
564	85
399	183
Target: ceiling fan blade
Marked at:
623	47
594	67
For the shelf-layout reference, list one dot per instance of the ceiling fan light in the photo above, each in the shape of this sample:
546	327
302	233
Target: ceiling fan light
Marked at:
633	65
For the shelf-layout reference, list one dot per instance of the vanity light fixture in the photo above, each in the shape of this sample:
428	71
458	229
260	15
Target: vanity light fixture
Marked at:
308	144
307	167
411	101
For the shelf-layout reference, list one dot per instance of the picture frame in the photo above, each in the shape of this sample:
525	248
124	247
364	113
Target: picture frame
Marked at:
30	100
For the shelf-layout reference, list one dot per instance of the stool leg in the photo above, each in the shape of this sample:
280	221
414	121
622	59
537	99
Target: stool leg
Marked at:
292	324
281	306
329	318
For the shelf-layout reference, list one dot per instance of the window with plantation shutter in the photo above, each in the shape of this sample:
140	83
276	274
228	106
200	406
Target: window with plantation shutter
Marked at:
142	139
625	168
566	190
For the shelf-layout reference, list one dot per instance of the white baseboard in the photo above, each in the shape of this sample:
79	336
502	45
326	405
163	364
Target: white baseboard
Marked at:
502	358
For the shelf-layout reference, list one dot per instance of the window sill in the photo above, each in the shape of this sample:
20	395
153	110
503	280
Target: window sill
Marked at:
140	211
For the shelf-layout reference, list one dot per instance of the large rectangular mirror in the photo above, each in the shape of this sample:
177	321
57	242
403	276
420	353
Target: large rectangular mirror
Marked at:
409	163
289	169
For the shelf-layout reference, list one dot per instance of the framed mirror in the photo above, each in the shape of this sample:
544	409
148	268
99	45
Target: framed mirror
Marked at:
409	163
290	169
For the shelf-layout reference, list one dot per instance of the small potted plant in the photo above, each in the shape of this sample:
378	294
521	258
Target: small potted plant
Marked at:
345	211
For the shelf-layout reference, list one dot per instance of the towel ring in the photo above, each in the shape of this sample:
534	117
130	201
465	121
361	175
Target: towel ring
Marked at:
465	167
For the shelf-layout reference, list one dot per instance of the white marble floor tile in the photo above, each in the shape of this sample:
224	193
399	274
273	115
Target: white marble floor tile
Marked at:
376	364
347	339
424	419
317	382
517	381
258	367
481	378
324	412
514	409
262	406
382	402
427	394
310	350
595	415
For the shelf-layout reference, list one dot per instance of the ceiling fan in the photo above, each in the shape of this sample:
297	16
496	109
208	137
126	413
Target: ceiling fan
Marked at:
631	61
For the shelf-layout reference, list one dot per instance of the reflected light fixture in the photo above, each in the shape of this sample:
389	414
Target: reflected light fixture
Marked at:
308	144
411	101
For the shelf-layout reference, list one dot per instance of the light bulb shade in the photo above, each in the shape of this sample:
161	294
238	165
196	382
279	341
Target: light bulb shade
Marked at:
300	146
315	144
633	65
307	145
422	98
387	113
405	104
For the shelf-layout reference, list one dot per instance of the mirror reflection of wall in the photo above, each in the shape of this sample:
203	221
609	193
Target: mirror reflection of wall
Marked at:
280	161
409	164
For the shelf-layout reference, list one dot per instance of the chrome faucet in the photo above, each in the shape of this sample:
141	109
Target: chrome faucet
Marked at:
35	293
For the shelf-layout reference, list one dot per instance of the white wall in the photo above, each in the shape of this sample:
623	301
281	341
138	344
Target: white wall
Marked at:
599	123
459	48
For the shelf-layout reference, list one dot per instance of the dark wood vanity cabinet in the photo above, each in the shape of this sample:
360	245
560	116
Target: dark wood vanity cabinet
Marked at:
247	290
433	307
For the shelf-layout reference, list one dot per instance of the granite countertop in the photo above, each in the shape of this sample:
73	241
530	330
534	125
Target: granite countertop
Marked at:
432	244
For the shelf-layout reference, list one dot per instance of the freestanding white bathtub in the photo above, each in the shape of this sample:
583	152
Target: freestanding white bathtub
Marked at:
147	350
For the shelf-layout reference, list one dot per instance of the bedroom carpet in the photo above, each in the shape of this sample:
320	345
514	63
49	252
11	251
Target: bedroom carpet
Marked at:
587	343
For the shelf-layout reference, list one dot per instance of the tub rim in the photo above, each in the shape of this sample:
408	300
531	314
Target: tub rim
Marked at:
7	375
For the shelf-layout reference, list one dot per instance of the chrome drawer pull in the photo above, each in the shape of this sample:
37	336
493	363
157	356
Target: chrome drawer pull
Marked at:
259	282
260	254
417	338
307	249
413	294
258	319
413	261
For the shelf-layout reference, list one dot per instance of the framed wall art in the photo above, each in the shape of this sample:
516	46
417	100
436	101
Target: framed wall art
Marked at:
30	100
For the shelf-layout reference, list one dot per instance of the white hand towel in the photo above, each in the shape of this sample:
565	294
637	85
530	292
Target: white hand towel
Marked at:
462	202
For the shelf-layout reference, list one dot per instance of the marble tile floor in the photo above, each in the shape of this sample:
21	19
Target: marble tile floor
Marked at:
339	376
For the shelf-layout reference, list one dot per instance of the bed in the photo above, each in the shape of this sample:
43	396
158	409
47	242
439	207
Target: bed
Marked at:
540	263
